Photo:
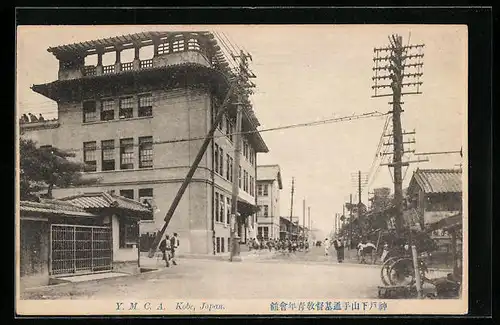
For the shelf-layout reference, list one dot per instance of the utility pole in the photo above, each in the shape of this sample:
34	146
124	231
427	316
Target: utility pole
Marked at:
291	210
303	220
343	216
243	92
350	220
309	221
220	115
397	59
336	224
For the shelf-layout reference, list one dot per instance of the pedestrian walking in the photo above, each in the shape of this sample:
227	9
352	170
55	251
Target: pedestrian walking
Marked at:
174	244
165	249
339	247
326	245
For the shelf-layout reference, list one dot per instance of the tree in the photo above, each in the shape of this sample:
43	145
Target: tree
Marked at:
48	168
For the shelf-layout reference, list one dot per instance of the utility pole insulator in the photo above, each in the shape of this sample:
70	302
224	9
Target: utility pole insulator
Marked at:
400	57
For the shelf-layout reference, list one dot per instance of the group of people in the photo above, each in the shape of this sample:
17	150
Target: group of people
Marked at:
279	245
30	118
168	246
365	248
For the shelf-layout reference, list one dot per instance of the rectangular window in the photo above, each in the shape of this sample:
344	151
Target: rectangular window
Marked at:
251	156
216	207
178	46
245	149
126	107
259	189
217	244
245	187
216	158
223	126
146	196
129	194
193	45
108	154
266	233
228	167
222	250
231	130
266	211
228	210
265	189
146	105
231	173
163	48
251	186
127	153
239	176
228	126
128	233
89	111
89	156
221	162
107	110
145	152
221	208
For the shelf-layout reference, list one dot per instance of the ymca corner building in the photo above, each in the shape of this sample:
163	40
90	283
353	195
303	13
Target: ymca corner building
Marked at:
138	125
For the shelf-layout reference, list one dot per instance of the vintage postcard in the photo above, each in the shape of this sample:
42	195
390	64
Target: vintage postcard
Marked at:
241	169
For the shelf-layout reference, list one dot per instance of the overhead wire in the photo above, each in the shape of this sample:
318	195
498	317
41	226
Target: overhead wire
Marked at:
379	146
373	114
383	155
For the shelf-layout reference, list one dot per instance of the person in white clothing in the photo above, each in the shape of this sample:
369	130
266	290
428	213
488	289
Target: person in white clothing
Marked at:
326	245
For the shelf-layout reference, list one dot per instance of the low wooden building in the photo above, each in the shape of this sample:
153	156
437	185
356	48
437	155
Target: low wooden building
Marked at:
83	234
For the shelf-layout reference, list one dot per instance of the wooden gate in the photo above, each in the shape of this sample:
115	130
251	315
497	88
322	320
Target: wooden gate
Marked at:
80	249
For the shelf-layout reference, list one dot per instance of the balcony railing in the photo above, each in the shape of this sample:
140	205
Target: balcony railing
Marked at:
128	66
89	70
108	69
146	64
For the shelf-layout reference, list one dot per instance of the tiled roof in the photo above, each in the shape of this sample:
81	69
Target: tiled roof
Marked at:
54	207
439	180
101	200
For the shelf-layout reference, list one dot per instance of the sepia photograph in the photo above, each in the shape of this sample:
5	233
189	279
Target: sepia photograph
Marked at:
241	169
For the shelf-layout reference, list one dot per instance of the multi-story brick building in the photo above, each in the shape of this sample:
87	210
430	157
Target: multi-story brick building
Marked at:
269	185
139	125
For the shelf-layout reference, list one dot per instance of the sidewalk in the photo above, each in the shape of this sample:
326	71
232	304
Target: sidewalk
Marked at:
156	262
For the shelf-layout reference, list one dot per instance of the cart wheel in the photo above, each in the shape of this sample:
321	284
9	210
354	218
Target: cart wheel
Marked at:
402	266
384	271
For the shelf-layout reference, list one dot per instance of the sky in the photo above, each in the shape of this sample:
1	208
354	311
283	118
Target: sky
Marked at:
306	73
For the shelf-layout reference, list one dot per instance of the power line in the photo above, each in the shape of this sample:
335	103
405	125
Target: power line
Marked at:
386	149
229	57
291	126
227	38
379	146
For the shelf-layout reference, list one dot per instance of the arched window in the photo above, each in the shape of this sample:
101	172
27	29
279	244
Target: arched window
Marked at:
178	45
193	45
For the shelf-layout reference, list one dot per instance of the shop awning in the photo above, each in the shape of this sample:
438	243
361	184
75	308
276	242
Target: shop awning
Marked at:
451	222
245	208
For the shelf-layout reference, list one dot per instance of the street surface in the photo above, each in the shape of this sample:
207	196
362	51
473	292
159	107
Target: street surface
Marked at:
281	276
